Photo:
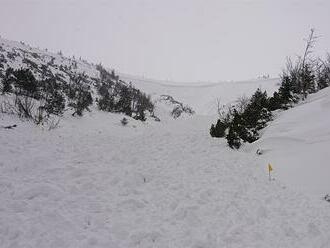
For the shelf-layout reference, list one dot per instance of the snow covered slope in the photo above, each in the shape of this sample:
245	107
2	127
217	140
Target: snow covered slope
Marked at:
94	183
202	97
20	55
67	72
297	143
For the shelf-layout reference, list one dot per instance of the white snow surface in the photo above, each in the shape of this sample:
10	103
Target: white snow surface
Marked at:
95	183
203	96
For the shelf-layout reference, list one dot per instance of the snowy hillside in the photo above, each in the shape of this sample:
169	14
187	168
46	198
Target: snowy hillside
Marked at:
186	98
93	182
297	142
18	54
202	97
76	83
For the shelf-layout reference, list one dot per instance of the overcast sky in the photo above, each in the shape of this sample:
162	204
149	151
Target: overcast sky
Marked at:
182	40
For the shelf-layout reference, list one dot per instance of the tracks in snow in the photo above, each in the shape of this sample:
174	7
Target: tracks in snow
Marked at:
169	186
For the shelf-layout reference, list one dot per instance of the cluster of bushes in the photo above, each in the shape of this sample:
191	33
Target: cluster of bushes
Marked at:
20	82
39	99
33	99
116	96
242	122
51	94
79	94
49	89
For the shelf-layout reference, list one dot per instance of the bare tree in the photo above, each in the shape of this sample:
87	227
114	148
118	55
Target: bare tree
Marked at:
310	42
304	75
301	73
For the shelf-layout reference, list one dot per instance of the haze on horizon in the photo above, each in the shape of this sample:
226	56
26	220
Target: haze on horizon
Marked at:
186	40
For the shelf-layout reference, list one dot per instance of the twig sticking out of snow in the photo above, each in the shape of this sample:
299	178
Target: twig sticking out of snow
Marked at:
9	127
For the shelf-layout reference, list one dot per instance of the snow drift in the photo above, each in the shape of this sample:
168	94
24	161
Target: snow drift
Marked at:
297	143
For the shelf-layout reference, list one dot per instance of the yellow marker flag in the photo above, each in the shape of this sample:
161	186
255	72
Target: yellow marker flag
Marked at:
270	168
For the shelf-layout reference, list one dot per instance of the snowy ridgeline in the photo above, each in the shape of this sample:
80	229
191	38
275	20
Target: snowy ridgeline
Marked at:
203	97
71	84
200	97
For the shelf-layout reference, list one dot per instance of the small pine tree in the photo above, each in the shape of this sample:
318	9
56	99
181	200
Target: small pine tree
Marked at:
256	114
218	130
26	83
286	90
106	101
55	103
323	81
308	80
275	102
80	99
125	101
323	75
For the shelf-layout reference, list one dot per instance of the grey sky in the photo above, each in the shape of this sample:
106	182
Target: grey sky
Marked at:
183	40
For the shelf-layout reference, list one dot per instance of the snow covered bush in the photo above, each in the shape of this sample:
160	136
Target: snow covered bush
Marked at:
327	198
24	107
117	96
124	121
219	129
80	99
179	108
323	73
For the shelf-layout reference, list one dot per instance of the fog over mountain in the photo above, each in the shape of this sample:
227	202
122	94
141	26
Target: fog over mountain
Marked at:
187	40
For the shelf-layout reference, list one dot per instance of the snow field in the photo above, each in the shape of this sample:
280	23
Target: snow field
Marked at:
203	96
94	183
